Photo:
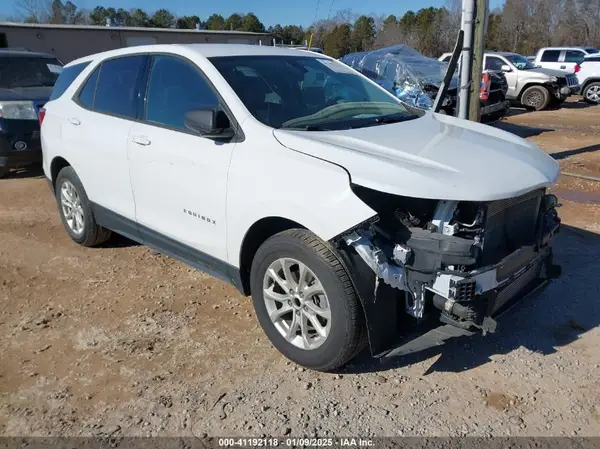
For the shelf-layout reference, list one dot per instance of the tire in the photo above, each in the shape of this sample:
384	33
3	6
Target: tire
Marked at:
3	172
345	329
591	93
85	231
536	97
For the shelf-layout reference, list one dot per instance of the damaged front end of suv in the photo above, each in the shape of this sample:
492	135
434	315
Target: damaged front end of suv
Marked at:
427	270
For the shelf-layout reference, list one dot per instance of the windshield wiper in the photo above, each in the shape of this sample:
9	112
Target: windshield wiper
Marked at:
395	118
308	128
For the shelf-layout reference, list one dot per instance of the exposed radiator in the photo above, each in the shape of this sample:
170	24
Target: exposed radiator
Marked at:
510	224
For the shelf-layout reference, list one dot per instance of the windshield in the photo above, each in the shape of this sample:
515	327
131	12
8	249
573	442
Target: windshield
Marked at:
520	62
309	93
28	71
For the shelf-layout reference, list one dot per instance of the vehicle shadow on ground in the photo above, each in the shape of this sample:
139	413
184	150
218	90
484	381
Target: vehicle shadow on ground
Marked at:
32	171
118	241
522	130
565	154
554	317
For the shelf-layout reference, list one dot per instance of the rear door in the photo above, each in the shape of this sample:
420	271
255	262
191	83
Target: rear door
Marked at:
570	59
96	129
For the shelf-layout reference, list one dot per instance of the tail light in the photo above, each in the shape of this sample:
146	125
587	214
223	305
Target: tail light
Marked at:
577	68
41	115
484	90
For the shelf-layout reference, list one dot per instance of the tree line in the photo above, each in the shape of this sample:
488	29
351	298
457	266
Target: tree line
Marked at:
521	26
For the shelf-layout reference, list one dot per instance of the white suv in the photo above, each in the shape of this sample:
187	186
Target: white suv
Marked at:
589	79
347	215
565	59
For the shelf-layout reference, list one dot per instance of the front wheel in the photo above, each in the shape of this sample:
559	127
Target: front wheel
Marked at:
536	97
305	301
591	93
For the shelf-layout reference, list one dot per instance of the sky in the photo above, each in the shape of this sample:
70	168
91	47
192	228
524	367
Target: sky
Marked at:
270	12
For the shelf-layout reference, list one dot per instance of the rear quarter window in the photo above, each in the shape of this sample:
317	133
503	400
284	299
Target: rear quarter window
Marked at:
66	78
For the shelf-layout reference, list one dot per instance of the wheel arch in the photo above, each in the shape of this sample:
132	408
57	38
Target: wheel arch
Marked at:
57	164
256	235
590	81
532	84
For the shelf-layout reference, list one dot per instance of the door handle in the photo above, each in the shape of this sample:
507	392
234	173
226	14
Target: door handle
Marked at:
563	66
74	121
141	140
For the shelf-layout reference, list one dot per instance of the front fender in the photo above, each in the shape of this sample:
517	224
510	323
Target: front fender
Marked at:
279	182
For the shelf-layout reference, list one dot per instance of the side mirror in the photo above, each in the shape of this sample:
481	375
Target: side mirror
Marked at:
210	123
506	68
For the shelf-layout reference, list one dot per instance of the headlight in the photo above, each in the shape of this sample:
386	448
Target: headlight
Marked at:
18	110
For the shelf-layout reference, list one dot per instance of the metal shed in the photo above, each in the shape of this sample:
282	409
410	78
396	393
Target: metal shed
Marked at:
68	42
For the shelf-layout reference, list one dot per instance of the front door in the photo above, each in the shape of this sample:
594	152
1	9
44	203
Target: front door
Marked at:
178	177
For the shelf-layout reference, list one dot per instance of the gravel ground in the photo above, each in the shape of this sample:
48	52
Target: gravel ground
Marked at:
123	341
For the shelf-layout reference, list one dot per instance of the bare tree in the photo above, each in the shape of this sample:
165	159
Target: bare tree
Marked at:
34	10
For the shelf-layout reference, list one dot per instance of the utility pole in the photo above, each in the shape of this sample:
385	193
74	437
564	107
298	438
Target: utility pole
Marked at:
468	16
481	18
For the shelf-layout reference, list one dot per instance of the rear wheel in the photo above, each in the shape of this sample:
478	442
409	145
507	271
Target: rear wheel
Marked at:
305	301
536	97
75	210
591	93
4	171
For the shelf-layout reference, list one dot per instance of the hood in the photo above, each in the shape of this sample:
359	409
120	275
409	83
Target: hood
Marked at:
435	157
543	71
36	94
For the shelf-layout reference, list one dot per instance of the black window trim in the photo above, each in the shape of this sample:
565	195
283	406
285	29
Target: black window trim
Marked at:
141	116
136	92
141	92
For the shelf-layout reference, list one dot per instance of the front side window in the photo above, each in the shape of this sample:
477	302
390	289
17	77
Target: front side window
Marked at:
493	63
174	88
520	62
29	71
309	93
116	86
551	56
574	56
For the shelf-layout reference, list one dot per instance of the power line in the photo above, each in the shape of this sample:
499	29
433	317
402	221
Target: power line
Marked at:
317	10
330	9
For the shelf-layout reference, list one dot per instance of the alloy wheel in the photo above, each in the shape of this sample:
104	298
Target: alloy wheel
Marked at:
593	94
72	209
297	303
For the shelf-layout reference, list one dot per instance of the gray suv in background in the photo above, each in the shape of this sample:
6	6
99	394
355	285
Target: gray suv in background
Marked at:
529	86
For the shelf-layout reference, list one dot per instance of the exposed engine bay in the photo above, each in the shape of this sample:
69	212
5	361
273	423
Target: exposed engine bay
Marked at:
460	263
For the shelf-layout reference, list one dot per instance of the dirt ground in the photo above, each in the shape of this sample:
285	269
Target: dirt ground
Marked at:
123	341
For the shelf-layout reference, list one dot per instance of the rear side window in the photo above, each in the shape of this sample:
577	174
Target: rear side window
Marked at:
86	96
551	56
66	78
574	56
176	87
117	84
